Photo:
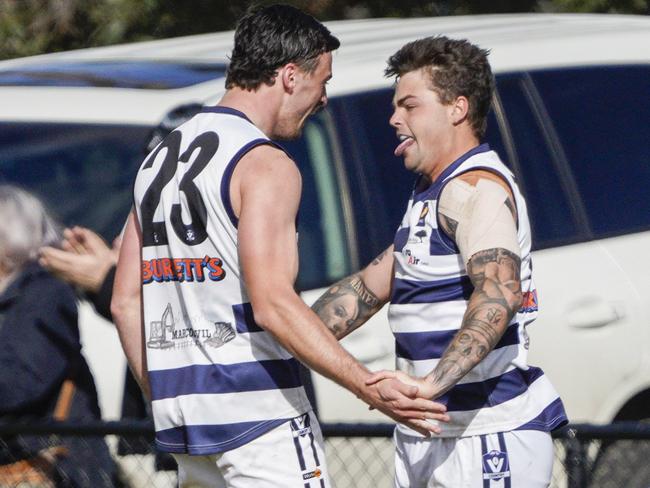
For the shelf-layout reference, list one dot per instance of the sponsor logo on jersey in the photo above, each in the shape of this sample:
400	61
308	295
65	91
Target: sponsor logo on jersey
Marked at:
495	465
529	303
317	473
418	237
163	333
423	215
410	258
182	269
223	333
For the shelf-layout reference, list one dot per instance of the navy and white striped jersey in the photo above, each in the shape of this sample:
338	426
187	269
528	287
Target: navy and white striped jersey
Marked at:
430	293
217	379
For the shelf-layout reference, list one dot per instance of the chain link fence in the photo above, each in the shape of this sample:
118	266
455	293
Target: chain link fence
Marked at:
358	456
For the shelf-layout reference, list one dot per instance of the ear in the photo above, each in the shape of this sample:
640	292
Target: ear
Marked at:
287	76
459	110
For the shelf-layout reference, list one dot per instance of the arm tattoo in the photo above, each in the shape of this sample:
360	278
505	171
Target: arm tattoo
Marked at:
449	226
511	206
495	274
346	305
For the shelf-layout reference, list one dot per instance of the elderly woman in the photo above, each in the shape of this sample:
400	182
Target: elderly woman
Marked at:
44	375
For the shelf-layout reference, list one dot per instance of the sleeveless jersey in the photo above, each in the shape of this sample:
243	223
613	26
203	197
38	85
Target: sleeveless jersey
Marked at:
217	379
430	294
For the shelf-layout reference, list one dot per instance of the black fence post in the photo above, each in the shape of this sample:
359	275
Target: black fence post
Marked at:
575	461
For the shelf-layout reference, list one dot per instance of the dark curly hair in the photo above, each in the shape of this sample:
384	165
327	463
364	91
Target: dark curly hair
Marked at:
457	68
267	38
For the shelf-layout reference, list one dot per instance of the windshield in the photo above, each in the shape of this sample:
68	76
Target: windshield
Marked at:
84	173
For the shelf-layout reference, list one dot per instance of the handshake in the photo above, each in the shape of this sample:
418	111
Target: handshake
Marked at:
406	400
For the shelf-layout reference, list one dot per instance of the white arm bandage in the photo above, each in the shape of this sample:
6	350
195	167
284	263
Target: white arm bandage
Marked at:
484	219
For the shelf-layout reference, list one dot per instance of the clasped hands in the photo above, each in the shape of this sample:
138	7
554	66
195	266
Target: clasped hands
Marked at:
406	399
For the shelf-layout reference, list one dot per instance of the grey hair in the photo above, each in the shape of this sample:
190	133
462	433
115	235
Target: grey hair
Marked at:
25	227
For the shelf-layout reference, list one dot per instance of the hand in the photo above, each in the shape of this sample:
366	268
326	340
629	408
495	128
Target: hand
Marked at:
402	403
80	240
84	259
426	389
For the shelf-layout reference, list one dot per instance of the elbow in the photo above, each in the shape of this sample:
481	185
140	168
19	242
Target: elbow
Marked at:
119	306
272	310
265	314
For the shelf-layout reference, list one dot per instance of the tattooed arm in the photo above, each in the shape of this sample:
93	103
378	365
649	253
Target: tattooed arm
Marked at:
481	218
349	303
495	300
486	218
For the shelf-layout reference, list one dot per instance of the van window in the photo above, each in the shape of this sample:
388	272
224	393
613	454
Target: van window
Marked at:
114	74
323	240
551	221
380	185
601	118
84	173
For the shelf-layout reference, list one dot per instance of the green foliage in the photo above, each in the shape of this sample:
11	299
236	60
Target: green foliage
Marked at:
37	26
603	6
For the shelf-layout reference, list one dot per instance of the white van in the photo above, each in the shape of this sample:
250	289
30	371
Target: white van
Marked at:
571	117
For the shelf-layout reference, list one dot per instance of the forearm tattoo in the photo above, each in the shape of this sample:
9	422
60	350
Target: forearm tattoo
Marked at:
346	305
495	274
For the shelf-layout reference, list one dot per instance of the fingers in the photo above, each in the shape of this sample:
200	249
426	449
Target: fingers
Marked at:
55	260
424	405
409	391
380	375
73	242
80	240
419	410
416	409
419	415
423	427
92	241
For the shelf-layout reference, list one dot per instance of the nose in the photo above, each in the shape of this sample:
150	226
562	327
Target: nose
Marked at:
323	99
395	120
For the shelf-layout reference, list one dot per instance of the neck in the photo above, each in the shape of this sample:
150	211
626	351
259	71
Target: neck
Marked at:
260	106
450	156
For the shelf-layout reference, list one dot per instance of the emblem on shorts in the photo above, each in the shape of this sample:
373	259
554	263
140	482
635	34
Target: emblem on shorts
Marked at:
495	465
300	426
223	333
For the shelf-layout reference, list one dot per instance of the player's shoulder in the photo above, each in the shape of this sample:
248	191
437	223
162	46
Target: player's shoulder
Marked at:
473	176
269	161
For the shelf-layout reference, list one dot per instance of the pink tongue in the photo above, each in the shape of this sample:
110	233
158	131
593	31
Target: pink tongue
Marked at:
399	150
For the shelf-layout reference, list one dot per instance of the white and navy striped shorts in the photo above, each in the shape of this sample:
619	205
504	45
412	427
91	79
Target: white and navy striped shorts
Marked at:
516	459
290	455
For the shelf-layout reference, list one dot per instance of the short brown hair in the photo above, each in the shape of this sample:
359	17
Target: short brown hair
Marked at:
456	67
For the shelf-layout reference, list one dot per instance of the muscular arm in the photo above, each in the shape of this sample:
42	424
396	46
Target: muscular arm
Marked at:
496	298
494	272
126	304
265	190
350	302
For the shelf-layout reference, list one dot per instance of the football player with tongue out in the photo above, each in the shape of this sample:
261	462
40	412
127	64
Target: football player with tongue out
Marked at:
458	278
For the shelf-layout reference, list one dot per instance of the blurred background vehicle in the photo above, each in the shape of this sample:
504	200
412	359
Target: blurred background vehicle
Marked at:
571	117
